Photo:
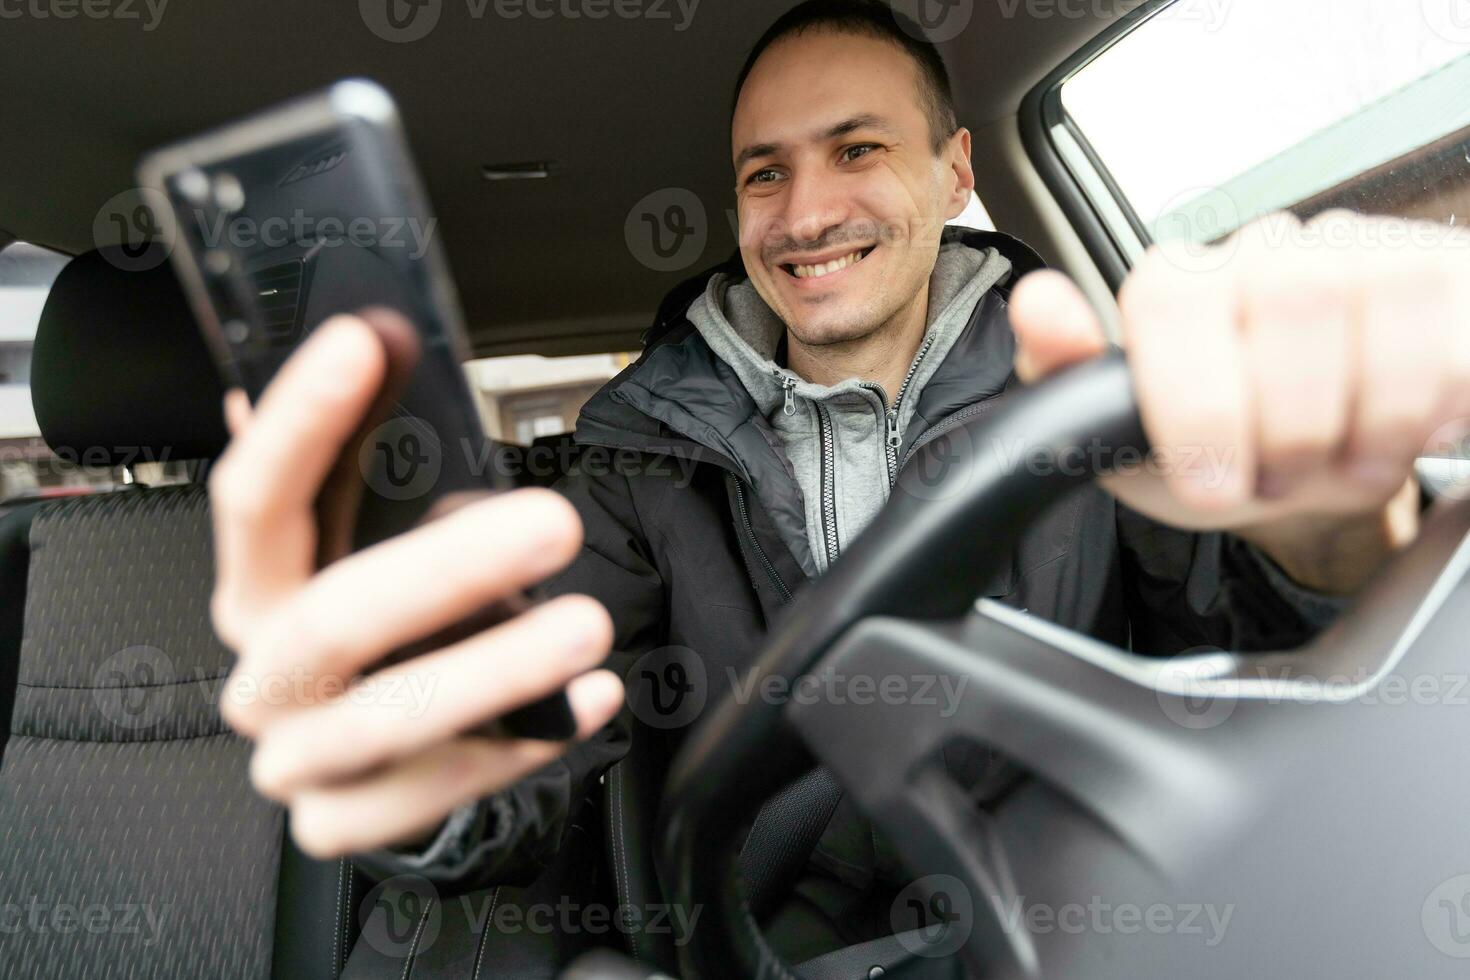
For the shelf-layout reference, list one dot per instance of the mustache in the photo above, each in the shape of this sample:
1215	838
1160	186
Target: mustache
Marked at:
776	242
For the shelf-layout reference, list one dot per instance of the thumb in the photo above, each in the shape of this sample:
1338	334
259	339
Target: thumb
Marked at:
1054	325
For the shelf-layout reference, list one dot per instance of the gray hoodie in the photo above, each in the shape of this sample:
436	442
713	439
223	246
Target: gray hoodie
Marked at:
840	442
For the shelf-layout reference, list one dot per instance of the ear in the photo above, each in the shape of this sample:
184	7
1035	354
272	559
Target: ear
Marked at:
958	175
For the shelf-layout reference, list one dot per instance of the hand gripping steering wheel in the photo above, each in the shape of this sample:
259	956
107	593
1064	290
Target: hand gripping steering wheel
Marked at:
1295	814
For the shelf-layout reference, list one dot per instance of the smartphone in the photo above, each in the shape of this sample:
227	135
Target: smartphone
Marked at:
314	208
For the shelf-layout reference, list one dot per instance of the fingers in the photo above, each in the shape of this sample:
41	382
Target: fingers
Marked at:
411	796
237	411
1189	374
263	488
1054	325
1305	370
1298	320
385	758
408	707
1402	339
595	698
362	607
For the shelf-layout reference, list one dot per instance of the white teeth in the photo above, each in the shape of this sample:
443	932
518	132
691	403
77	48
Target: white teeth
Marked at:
827	268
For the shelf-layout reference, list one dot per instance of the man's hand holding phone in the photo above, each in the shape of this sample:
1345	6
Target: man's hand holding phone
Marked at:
367	758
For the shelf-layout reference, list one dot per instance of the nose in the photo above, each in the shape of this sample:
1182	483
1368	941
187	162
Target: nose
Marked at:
815	204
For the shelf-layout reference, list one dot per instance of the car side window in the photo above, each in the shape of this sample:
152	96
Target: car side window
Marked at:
524	397
1205	115
28	468
1201	117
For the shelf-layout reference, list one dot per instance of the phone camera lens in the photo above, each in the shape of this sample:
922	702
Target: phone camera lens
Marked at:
193	186
229	196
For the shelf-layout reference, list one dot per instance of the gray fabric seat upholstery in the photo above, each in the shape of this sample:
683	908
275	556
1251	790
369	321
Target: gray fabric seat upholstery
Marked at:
131	842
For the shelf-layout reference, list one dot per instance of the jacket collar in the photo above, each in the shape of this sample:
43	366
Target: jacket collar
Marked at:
744	333
680	398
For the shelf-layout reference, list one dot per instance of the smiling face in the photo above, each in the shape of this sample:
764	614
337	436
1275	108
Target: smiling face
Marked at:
841	194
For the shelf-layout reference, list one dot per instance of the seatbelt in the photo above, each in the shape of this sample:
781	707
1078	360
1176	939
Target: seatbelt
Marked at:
783	837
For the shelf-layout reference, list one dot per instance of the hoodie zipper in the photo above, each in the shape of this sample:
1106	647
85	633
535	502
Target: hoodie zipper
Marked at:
828	475
944	426
755	543
829	486
788	386
892	437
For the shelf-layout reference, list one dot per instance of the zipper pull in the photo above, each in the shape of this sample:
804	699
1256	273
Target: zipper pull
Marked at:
789	383
891	428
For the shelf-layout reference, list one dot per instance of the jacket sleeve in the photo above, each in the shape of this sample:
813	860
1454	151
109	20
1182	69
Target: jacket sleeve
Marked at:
1186	591
510	837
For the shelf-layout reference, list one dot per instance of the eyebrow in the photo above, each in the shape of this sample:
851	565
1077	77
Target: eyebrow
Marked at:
865	120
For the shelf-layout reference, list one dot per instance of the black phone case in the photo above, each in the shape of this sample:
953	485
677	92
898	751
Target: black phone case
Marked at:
312	209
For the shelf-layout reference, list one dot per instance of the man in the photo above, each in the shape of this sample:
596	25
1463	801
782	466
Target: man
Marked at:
799	381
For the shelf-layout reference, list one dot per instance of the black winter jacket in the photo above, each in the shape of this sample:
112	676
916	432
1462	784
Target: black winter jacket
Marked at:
683	553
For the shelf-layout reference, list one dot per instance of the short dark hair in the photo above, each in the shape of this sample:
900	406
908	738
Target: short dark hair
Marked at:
869	18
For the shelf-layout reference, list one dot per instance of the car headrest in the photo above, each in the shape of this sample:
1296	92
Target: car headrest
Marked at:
119	372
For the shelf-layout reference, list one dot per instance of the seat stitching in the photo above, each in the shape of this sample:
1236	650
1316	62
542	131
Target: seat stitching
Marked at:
349	908
337	931
484	932
627	888
408	963
620	870
617	834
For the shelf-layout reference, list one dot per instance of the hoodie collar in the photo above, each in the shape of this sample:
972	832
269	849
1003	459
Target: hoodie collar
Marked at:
681	399
679	392
745	334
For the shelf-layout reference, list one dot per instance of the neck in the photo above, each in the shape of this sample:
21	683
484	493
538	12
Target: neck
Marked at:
882	356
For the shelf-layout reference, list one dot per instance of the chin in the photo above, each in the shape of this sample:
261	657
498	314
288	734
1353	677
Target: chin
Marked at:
831	330
821	320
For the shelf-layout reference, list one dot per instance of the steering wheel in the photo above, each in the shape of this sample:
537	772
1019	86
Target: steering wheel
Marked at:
1214	815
